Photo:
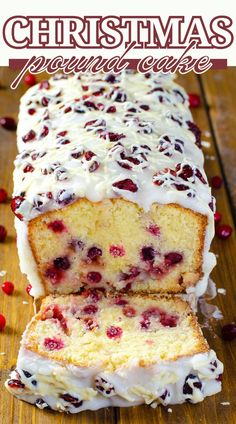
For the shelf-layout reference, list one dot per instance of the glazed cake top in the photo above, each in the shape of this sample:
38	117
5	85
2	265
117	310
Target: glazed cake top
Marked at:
112	332
103	136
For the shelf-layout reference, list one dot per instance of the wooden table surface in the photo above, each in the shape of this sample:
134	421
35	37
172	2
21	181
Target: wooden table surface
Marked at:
217	119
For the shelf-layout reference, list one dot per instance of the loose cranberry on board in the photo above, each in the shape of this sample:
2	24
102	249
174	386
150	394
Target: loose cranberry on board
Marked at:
8	287
224	231
2	322
194	100
8	123
3	195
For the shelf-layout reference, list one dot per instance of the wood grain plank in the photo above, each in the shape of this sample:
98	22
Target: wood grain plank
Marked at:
220	89
18	314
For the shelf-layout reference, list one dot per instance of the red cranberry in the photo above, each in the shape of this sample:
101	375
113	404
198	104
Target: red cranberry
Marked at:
28	168
196	131
117	251
111	109
120	302
186	171
30	80
28	288
2	322
55	275
53	344
88	155
94	253
30	136
154	229
115	136
90	309
217	217
114	332
44	132
62	263
15	384
126	184
94	277
15	204
67	109
57	226
168	320
8	123
31	111
45	101
145	107
173	258
194	100
3	195
3	234
224	231
129	311
8	287
228	332
44	84
216	182
147	253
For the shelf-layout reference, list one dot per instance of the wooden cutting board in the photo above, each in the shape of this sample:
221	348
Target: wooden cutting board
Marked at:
216	116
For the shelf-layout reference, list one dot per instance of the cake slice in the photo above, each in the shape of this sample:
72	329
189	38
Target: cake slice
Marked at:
110	189
91	351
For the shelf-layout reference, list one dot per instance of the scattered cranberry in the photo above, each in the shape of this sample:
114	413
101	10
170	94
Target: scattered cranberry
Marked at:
154	229
28	168
57	226
228	332
129	311
173	258
53	344
94	253
15	384
30	80
2	322
94	277
126	184
31	111
224	231
117	251
3	234
194	100
217	217
8	123
147	253
8	287
30	136
114	332
15	204
3	195
28	288
111	109
216	182
62	263
90	309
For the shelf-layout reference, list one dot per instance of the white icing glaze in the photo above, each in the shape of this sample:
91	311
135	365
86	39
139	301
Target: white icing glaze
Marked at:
151	138
162	382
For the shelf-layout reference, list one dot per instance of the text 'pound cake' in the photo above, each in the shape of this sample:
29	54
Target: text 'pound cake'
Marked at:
110	189
90	351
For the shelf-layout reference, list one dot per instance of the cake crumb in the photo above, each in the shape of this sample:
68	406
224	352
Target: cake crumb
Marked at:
169	410
207	133
221	291
25	302
2	273
225	403
2	353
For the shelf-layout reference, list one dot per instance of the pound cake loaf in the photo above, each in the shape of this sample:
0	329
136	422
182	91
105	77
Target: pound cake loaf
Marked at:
110	189
91	351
